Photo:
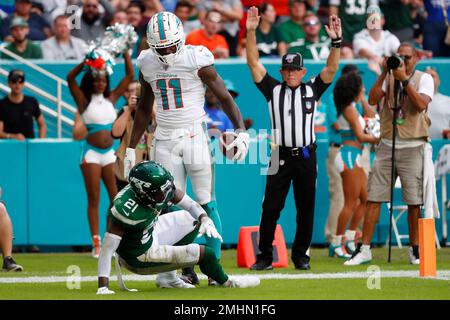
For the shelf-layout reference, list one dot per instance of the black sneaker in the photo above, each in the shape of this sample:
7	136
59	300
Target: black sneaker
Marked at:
260	265
302	264
188	275
10	265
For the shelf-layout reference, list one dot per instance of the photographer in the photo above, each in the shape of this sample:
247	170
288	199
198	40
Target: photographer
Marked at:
415	90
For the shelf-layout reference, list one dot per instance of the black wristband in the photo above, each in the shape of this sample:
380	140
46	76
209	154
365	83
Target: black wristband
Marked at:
336	43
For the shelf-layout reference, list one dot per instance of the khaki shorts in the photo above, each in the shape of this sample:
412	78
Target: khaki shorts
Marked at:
409	167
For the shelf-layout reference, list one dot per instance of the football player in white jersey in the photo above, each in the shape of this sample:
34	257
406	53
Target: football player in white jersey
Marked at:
175	75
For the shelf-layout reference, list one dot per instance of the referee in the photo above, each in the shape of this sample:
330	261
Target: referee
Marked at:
292	105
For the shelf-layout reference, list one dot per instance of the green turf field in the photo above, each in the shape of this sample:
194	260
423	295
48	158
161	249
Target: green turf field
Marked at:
41	269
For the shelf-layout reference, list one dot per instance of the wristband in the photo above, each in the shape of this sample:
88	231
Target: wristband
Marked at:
336	43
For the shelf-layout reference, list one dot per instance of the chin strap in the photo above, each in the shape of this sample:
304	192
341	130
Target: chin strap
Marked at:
120	281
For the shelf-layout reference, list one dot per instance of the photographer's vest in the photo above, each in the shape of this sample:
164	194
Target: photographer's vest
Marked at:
416	123
141	151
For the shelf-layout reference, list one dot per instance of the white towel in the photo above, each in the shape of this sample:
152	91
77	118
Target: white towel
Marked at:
430	203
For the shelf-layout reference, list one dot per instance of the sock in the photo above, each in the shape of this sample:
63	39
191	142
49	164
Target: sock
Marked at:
336	240
215	244
350	235
211	267
365	247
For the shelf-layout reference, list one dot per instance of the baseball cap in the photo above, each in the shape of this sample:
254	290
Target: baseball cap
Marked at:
18	22
351	68
292	61
230	87
15	75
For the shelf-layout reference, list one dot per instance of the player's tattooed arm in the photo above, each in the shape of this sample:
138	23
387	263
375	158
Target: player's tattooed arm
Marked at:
214	82
143	113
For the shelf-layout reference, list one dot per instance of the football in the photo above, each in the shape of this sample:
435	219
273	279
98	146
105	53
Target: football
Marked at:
225	139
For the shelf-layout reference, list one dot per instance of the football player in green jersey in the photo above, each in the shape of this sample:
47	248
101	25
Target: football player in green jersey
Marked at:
147	243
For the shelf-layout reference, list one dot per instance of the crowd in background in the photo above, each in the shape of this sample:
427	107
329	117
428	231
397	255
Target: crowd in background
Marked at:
57	29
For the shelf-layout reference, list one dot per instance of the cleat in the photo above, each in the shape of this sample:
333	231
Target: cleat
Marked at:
261	265
169	280
414	255
362	255
96	244
189	276
9	265
242	282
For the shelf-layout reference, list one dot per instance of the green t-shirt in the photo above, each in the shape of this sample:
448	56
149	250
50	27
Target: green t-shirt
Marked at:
292	34
137	222
311	50
32	51
353	14
268	42
397	15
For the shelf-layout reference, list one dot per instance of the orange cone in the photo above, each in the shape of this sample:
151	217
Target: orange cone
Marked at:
247	247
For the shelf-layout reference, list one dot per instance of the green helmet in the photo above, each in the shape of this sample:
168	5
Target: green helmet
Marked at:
152	184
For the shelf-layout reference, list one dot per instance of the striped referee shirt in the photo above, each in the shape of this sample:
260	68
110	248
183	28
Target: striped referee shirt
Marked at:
292	111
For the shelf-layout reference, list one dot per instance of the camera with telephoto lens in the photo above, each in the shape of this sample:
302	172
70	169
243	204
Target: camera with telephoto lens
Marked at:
393	62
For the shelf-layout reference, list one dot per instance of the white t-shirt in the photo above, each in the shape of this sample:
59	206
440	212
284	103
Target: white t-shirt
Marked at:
439	113
426	85
387	45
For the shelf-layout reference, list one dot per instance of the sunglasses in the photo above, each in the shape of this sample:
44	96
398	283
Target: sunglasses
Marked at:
311	23
406	58
17	80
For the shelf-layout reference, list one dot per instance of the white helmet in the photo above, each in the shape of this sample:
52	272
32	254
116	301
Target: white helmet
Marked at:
165	30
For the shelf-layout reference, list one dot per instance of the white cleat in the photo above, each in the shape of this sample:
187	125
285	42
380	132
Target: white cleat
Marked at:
170	280
242	282
362	257
413	256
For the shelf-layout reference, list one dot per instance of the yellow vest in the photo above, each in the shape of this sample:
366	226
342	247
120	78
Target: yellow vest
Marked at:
416	123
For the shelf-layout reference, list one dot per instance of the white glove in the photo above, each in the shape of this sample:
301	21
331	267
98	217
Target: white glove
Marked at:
207	227
104	290
129	161
242	142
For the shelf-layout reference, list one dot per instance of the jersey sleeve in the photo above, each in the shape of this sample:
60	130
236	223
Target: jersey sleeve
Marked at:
36	110
318	86
266	86
203	57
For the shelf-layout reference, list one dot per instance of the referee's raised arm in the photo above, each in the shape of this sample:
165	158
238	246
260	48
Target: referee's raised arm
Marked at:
334	31
256	68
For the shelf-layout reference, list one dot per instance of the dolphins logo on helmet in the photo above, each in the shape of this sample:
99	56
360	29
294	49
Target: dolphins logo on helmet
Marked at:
165	30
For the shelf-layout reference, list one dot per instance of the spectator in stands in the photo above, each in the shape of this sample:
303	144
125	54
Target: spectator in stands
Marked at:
6	238
119	17
62	46
316	41
120	5
183	11
291	31
39	28
209	37
18	110
398	18
52	8
268	36
150	8
435	28
122	128
375	43
21	45
216	120
92	23
282	9
353	14
134	15
438	109
231	12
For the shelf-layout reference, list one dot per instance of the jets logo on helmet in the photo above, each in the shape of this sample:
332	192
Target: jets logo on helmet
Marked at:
165	30
152	184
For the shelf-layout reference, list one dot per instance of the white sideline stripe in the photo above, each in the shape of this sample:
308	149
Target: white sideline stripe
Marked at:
441	275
